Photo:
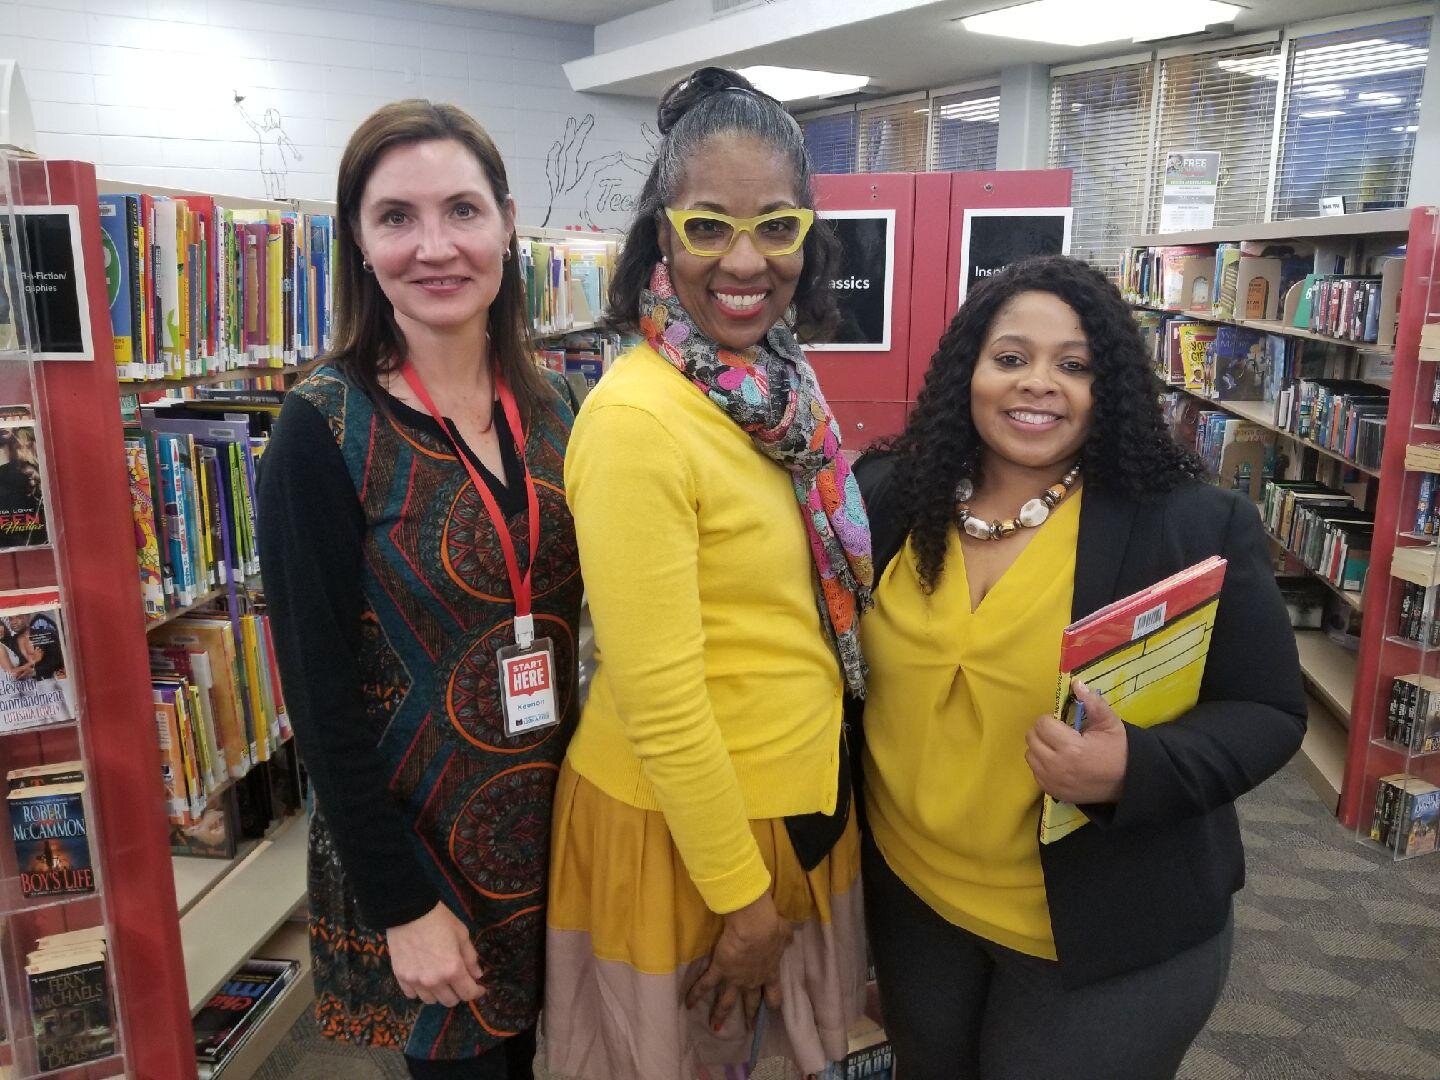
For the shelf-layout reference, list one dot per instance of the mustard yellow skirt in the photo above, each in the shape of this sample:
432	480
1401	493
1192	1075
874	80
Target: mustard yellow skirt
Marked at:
628	933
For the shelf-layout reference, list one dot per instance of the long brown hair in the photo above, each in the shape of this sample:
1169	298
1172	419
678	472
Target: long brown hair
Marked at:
368	340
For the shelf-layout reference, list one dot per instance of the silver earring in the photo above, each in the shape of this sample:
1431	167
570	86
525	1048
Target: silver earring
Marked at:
365	263
505	256
665	259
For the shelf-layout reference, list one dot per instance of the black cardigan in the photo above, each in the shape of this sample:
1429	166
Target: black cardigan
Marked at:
1152	875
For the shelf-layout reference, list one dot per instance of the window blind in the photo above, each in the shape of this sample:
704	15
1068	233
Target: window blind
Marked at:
1221	101
893	138
830	141
1100	129
1352	106
966	128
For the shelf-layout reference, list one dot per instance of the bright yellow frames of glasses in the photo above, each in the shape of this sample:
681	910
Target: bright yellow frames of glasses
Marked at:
709	234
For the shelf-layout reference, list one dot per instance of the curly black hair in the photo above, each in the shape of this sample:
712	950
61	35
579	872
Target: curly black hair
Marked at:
716	101
1129	450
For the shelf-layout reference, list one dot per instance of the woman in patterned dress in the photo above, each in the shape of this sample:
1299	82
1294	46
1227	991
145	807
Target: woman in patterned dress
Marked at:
390	592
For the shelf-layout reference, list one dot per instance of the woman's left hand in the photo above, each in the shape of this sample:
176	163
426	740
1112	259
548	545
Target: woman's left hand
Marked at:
1080	767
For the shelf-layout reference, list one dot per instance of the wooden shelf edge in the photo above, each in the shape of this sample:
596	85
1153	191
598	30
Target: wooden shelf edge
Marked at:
235	374
1311	228
1270	326
243	910
1329	670
1323	753
1350	596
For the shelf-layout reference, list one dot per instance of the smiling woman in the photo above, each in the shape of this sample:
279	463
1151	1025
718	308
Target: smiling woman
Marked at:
400	474
704	851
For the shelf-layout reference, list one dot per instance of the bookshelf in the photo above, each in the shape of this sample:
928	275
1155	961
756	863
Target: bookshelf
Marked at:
1343	672
182	925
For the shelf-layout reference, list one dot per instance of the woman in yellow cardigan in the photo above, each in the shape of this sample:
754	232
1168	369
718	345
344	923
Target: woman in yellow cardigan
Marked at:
726	556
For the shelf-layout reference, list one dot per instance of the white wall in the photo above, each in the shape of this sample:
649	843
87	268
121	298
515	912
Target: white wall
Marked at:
146	90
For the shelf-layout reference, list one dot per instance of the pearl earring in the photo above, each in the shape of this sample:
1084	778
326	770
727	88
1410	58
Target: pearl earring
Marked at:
366	264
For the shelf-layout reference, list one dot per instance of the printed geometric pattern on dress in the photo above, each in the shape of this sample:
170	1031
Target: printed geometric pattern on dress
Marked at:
478	802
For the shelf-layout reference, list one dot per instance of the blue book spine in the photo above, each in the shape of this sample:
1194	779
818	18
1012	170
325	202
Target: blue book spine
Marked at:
115	238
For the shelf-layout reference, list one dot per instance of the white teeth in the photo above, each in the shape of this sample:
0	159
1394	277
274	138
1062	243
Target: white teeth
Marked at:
1031	417
741	303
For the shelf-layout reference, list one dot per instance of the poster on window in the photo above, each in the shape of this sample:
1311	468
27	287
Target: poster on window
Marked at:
52	273
864	281
993	239
1187	200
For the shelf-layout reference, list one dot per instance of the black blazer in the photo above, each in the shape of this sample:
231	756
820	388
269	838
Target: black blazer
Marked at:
1152	875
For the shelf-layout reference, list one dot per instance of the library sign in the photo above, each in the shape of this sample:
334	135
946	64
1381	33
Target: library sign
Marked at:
993	239
52	271
864	282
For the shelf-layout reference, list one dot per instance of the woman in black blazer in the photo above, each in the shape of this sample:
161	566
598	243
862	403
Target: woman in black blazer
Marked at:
1034	483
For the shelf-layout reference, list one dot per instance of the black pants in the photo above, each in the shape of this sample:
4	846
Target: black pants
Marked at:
513	1059
959	1007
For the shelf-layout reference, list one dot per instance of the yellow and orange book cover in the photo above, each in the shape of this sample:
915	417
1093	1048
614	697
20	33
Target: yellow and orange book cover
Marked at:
1145	655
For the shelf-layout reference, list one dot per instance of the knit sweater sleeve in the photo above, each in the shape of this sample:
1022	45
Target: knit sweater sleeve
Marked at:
636	519
311	554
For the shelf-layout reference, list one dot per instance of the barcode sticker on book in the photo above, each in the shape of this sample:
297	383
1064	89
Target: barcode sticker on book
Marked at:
1148	621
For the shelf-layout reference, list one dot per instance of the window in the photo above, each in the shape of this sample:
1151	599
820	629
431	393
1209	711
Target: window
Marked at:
830	141
1221	101
966	129
1100	129
1352	106
893	137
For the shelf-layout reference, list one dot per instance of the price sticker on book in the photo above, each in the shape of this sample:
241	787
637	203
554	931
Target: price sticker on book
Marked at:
527	687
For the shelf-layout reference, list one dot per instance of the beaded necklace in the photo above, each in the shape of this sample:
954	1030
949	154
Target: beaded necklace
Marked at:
1032	515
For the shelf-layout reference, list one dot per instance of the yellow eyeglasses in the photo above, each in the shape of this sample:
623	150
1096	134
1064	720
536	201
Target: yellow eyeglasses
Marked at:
706	233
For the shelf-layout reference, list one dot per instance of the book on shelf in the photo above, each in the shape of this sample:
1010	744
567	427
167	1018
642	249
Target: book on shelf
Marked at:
1144	654
55	772
51	834
70	1010
198	287
35	687
1236	364
237	1009
219	708
566	280
22	490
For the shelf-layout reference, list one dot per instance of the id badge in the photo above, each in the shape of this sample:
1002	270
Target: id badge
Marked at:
527	687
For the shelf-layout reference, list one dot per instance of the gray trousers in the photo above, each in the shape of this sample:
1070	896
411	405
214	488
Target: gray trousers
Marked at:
959	1007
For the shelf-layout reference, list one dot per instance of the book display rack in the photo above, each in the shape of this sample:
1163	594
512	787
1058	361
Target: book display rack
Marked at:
1297	362
166	433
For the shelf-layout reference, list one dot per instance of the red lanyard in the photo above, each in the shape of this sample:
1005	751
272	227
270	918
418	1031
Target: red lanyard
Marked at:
519	583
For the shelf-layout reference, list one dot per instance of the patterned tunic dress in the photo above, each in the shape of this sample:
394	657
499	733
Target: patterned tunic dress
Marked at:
390	598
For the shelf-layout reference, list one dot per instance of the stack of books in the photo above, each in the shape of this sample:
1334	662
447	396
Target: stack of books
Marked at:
1321	527
1407	813
70	1008
1343	415
1412	713
218	705
198	287
237	1009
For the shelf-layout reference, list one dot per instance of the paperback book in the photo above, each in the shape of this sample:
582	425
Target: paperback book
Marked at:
70	1009
22	498
239	1006
35	688
52	839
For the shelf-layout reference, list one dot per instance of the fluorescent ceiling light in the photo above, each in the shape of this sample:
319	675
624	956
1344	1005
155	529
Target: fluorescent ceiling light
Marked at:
1381	99
1328	93
1065	22
792	84
1321	114
1409	129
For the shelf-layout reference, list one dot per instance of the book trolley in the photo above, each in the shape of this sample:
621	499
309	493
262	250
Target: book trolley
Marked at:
177	927
1340	434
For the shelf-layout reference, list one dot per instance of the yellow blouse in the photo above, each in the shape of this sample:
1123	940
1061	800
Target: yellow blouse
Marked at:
952	805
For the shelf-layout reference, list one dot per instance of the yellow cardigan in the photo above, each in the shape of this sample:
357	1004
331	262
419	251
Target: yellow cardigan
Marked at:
716	699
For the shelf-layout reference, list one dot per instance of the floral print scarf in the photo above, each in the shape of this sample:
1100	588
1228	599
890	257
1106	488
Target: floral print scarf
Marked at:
771	392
